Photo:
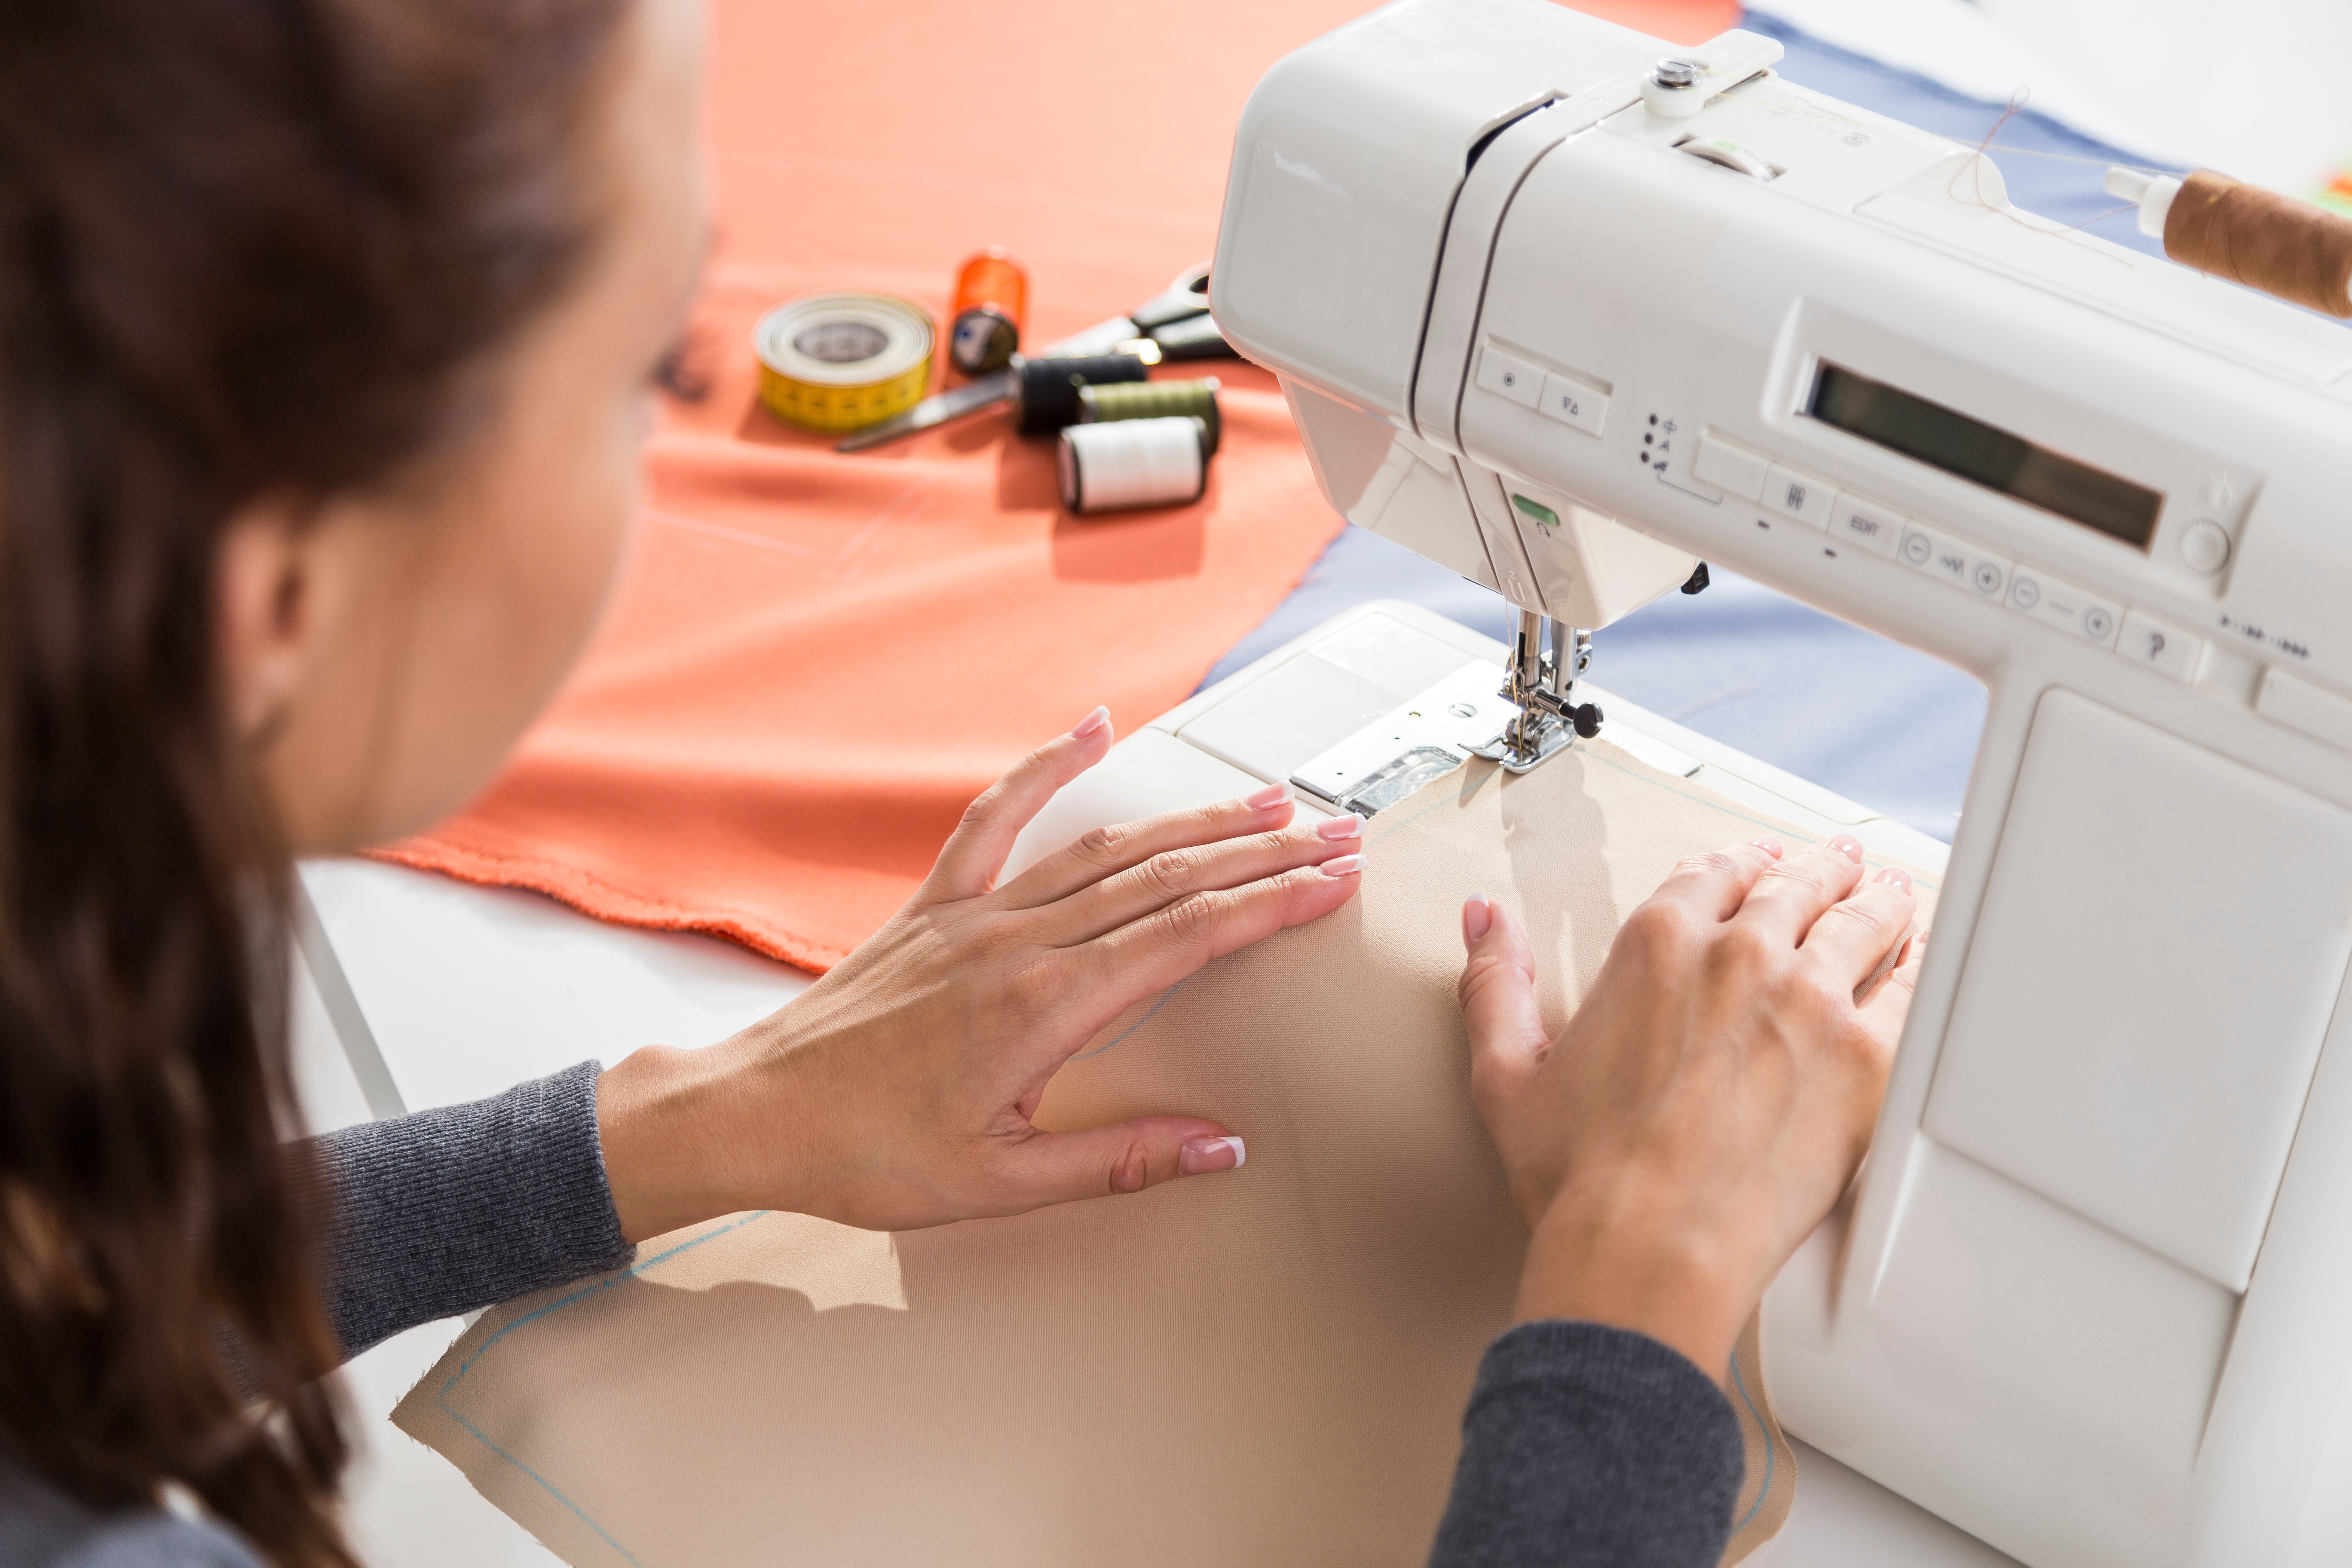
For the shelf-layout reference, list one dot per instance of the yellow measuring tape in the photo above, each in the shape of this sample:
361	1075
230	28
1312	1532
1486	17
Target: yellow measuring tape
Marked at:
837	362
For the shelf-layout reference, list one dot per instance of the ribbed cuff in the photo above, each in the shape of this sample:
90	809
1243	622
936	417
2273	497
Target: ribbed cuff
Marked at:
1586	1445
454	1208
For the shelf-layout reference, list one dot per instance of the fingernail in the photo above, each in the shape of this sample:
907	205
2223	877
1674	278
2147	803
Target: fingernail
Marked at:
1090	723
1337	827
1345	866
1770	845
1267	798
1847	845
1895	876
1477	919
1201	1155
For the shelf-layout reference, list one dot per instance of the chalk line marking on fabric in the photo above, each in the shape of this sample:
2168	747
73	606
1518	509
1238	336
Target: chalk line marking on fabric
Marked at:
1764	1488
441	1400
903	507
1123	1033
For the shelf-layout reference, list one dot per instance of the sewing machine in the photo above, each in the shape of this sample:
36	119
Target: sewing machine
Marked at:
2088	1299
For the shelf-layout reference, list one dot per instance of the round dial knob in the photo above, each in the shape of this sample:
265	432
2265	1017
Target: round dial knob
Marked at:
2205	547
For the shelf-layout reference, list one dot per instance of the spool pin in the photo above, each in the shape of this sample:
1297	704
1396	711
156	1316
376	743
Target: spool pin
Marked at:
991	297
2287	248
1154	400
1133	462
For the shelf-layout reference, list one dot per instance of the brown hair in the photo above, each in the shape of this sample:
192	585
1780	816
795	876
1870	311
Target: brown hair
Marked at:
249	249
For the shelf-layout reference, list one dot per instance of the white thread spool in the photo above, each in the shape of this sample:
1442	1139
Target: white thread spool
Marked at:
1134	462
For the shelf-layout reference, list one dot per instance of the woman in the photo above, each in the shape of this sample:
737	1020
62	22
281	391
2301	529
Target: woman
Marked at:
329	334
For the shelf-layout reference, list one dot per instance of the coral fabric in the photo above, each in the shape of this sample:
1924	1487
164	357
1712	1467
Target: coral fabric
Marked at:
1258	1368
817	660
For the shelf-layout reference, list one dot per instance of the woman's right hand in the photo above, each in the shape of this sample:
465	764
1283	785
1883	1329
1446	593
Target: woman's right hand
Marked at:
897	1090
1709	1101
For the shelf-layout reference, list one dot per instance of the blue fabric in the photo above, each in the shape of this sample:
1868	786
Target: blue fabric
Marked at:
1887	726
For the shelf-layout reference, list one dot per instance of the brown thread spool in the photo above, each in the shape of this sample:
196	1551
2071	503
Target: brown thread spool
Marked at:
2299	252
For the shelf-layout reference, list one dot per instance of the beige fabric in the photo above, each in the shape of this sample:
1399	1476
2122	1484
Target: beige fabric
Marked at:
1264	1368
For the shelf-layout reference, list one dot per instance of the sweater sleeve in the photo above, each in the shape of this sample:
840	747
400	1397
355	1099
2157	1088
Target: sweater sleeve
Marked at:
1587	1445
451	1209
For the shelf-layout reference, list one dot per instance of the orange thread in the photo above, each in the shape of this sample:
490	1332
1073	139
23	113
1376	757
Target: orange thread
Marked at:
2290	248
1974	167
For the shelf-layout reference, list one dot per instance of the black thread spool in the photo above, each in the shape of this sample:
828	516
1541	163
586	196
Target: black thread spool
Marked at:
1047	395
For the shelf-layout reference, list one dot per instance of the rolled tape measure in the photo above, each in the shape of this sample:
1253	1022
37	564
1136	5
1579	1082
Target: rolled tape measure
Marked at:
837	362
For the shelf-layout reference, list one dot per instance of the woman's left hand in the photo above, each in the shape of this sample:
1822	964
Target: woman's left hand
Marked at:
897	1091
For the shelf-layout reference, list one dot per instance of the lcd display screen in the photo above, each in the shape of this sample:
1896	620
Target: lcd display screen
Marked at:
1982	454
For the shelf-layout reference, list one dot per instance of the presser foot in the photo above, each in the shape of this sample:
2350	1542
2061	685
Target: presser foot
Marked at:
1527	740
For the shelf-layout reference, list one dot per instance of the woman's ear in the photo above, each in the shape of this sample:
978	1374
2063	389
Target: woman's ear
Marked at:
265	619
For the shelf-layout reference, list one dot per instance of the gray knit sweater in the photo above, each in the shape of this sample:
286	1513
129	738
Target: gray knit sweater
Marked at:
1583	1446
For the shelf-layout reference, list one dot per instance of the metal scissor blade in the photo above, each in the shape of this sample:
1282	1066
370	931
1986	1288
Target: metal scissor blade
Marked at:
1102	338
970	398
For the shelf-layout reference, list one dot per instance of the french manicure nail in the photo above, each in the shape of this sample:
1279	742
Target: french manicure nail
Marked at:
1090	723
1847	845
1267	798
1477	919
1337	827
1770	845
1895	876
1201	1155
1345	866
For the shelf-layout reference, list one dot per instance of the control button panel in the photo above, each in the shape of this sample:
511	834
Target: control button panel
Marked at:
1801	496
1572	403
1962	565
2055	602
1866	524
2027	590
1733	470
1512	376
2159	645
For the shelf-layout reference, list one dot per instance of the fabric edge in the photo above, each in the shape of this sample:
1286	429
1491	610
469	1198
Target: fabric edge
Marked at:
600	900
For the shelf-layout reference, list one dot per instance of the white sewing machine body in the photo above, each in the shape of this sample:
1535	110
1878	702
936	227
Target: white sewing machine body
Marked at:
2089	1300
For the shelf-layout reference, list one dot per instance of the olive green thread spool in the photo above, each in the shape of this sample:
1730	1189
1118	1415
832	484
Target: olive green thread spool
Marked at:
1101	404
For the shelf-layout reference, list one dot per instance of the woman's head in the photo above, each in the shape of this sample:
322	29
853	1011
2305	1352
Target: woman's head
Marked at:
328	334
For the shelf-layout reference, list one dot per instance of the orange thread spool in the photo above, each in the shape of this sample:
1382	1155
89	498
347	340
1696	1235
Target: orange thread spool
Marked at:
2299	252
992	296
